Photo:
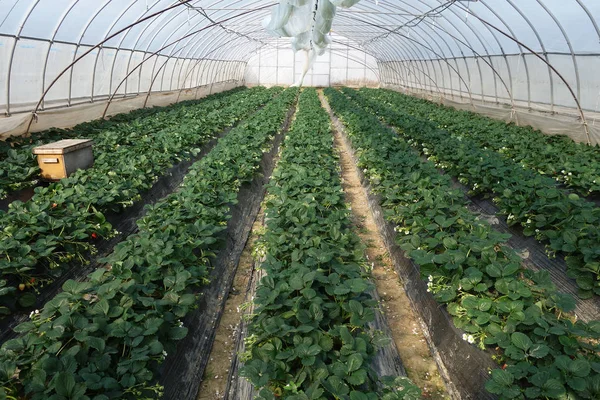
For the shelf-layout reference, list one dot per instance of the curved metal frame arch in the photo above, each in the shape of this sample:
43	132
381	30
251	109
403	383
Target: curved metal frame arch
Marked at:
12	53
445	30
170	44
467	69
196	45
35	110
53	37
429	34
431	50
468	44
167	60
579	109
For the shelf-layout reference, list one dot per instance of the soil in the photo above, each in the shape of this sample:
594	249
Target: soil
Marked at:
407	334
214	381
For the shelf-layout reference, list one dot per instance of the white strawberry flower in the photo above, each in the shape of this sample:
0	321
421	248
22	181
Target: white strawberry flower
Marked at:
468	338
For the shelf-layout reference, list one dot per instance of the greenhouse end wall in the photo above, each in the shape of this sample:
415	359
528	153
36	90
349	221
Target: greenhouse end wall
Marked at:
343	64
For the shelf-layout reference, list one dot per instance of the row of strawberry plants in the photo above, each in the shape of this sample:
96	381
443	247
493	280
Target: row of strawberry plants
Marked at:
577	165
514	312
566	222
18	165
57	226
105	338
309	335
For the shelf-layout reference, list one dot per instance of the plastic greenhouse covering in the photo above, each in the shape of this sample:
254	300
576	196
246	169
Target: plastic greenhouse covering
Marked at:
299	199
530	61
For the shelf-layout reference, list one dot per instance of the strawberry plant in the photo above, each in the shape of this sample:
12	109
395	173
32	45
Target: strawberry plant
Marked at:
58	225
105	338
18	166
566	222
308	338
514	312
576	165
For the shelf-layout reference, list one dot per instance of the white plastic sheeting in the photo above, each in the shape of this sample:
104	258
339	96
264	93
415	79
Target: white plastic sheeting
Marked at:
342	64
515	55
308	23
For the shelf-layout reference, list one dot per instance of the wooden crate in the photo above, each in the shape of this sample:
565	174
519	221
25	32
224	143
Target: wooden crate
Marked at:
60	159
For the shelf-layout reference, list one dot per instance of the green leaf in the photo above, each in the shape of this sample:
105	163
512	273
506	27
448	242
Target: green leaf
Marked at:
296	282
178	333
539	350
24	327
354	362
356	307
187	299
27	300
337	387
326	343
354	395
493	270
502	377
103	306
7	370
521	341
64	383
96	343
580	368
533	393
553	388
576	383
357	378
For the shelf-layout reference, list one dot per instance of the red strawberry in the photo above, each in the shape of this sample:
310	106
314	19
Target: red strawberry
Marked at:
94	235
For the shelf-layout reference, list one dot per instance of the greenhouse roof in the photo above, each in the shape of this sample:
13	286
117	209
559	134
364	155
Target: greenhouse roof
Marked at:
527	51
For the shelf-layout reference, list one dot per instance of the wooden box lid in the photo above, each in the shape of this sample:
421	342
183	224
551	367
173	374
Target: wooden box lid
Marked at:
63	146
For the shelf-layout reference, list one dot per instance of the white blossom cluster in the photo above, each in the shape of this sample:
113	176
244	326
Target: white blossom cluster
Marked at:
468	338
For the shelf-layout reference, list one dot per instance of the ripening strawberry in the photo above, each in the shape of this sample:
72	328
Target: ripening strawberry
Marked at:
21	287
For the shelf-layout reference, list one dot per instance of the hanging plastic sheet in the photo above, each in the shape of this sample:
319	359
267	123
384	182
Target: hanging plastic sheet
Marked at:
308	23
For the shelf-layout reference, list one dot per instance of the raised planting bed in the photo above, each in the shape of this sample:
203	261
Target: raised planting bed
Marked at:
18	167
534	255
496	309
562	220
106	337
577	165
310	335
61	223
124	224
182	372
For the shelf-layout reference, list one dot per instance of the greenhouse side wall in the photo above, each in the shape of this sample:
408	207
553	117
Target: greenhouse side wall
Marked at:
542	103
68	117
72	101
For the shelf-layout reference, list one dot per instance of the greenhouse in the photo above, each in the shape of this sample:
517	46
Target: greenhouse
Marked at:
299	199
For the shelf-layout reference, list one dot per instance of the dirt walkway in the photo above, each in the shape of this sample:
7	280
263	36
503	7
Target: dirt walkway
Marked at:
406	331
215	377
